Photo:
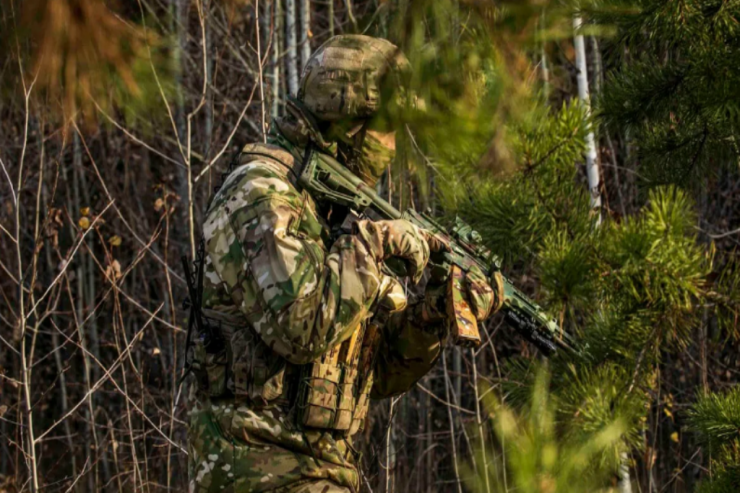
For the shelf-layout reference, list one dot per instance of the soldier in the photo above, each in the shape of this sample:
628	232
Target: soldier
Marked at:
299	334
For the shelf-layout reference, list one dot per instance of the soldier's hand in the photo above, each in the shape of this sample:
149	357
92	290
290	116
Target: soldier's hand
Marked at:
485	297
391	295
397	239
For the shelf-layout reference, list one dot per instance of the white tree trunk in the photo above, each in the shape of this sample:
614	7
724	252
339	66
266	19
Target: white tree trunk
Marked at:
305	31
261	75
290	39
277	42
624	483
592	167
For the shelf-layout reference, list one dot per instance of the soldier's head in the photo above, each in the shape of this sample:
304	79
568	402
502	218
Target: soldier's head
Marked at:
351	85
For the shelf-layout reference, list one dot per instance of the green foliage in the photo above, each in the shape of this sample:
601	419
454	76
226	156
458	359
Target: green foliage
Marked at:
515	213
448	78
471	80
146	109
592	398
724	481
716	417
629	291
654	269
542	453
678	98
567	271
84	58
726	294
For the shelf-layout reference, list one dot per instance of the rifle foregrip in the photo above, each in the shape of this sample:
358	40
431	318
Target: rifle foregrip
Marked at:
464	327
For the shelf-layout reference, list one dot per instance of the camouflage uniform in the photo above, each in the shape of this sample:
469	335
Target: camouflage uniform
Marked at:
275	408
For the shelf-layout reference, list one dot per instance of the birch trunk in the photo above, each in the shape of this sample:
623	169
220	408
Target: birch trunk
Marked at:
268	44
624	483
277	42
208	124
290	39
592	167
260	78
305	32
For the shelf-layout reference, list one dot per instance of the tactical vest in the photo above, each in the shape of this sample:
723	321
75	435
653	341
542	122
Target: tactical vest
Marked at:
331	393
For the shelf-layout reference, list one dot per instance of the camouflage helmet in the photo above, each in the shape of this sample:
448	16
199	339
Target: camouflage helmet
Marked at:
345	78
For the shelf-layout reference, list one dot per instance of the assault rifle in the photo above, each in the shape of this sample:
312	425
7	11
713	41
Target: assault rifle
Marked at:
329	181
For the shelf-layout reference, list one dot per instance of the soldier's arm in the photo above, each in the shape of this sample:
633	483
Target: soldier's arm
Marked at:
266	249
408	349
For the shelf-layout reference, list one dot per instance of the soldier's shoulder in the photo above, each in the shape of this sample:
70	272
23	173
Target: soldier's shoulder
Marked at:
270	152
259	176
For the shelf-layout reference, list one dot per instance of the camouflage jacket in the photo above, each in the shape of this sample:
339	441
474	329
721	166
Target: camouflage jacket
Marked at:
270	262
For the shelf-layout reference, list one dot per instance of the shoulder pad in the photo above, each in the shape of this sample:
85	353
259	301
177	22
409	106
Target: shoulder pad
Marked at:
274	154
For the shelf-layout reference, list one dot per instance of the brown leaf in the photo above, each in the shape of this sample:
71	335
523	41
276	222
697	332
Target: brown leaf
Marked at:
115	240
56	215
113	271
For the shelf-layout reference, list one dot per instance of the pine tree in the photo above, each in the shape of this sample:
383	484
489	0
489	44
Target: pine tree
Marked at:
543	454
716	418
674	86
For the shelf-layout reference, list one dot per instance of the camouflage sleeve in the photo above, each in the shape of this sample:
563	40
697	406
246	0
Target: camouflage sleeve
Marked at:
264	243
408	350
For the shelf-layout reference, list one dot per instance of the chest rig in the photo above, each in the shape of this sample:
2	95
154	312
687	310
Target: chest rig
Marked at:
330	393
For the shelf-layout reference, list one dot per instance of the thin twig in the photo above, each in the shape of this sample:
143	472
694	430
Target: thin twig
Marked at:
442	401
100	382
452	426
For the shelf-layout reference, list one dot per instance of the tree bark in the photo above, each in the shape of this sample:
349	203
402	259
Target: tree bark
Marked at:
290	39
592	167
305	39
277	42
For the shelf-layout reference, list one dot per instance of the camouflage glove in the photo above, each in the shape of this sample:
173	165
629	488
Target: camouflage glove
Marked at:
397	239
391	295
485	298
